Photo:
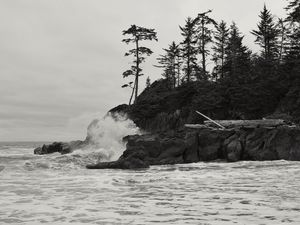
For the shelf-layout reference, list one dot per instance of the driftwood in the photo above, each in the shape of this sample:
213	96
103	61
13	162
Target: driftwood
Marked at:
197	126
247	123
212	121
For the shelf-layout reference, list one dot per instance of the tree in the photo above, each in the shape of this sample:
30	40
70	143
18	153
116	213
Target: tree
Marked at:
283	37
132	92
138	34
266	35
189	49
221	39
171	63
204	36
294	11
237	57
148	82
293	18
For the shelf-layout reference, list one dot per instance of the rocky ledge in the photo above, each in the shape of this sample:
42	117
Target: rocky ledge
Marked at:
190	146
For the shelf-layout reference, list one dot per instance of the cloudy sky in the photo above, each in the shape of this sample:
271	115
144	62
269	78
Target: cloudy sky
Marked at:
61	60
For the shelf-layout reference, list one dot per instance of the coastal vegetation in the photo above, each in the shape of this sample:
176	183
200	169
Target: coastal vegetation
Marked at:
241	84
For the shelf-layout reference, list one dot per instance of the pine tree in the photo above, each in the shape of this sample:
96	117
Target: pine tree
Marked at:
148	82
237	57
283	39
189	50
138	34
293	19
171	62
294	11
221	39
205	26
266	35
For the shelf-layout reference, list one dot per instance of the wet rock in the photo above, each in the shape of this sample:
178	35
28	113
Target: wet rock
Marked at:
294	151
144	150
233	148
124	163
210	144
191	153
61	147
258	145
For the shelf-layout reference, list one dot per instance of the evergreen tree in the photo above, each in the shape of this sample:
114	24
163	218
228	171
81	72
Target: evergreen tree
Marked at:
204	35
132	92
237	63
189	50
293	11
221	39
138	34
266	35
283	38
148	82
293	18
171	62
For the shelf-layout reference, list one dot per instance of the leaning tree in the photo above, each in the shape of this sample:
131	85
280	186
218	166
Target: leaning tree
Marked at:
136	35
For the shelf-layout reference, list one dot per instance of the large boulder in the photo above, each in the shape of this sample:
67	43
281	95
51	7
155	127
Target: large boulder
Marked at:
210	144
233	148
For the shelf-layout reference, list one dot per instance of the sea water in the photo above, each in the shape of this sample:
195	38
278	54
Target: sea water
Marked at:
57	189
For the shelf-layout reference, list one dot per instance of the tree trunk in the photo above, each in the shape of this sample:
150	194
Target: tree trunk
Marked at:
188	65
178	72
136	83
133	89
203	50
222	61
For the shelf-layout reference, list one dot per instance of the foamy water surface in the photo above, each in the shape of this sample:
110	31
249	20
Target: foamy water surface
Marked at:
57	189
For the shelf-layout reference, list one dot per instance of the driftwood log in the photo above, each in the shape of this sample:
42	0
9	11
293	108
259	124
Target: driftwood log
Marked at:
247	123
196	126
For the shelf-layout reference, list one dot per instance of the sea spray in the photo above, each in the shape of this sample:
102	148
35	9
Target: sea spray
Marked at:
104	142
106	134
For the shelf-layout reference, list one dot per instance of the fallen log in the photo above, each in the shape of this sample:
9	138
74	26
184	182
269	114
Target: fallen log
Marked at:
197	126
247	123
211	120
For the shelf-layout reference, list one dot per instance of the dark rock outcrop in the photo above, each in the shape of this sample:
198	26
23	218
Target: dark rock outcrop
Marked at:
207	145
61	147
144	150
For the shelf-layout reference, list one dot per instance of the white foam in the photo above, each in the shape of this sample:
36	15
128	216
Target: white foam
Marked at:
105	135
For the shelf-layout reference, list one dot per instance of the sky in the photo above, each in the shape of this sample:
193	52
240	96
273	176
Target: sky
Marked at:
61	61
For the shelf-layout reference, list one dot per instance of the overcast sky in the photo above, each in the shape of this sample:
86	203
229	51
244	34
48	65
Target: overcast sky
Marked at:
61	60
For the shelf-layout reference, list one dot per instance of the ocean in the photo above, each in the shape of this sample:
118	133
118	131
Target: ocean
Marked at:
57	189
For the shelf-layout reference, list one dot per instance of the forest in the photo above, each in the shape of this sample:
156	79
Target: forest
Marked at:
242	84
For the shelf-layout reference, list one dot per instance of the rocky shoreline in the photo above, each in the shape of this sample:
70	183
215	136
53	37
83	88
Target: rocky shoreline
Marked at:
163	113
257	144
192	145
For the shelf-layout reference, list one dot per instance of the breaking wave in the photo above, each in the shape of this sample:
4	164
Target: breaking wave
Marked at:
104	143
